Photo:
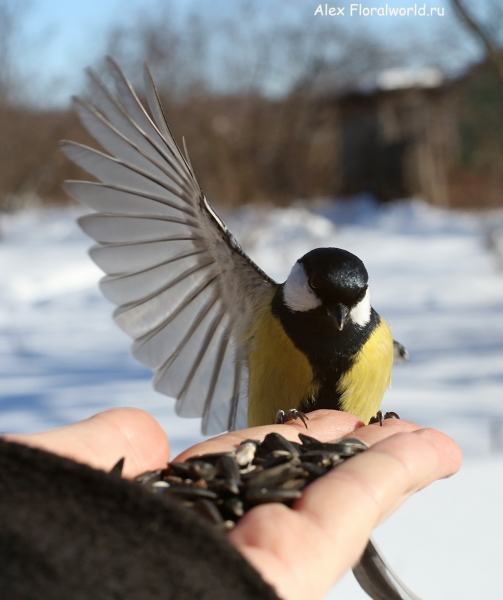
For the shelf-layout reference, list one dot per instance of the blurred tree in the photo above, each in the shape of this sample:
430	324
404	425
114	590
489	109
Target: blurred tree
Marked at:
11	13
478	178
246	89
487	33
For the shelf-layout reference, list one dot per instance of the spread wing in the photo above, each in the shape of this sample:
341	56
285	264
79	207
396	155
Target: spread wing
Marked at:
184	288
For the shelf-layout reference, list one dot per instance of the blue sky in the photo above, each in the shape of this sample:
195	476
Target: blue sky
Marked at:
61	37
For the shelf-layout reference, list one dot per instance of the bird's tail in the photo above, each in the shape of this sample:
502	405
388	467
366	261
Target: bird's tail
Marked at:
378	579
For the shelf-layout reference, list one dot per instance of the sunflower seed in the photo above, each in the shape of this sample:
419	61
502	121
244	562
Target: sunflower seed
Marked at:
275	441
223	486
257	495
207	509
202	470
190	493
150	477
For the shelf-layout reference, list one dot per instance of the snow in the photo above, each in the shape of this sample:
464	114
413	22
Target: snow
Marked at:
432	276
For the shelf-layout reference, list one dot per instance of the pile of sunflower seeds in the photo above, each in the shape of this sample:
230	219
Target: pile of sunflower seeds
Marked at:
224	486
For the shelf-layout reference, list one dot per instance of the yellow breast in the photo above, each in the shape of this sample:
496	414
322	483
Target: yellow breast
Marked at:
363	386
280	376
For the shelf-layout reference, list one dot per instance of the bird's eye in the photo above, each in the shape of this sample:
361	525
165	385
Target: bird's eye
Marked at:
314	282
361	295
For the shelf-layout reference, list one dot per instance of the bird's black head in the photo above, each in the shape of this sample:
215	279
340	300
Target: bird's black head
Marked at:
333	279
335	275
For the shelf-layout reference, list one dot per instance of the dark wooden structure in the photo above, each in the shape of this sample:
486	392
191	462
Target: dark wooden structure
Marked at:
397	143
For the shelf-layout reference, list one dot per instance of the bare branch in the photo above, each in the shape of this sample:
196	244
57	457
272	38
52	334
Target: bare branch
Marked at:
494	53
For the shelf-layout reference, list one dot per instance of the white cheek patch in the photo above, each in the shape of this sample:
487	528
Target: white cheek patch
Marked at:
360	313
297	294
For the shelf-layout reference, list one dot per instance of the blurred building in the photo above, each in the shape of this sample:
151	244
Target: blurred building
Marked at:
405	133
397	135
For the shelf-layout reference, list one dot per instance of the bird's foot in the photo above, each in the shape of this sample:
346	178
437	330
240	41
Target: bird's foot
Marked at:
380	417
292	415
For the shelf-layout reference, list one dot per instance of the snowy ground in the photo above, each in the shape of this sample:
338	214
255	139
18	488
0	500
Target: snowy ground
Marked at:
432	277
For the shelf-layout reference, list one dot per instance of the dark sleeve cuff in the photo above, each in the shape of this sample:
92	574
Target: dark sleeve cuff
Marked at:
69	531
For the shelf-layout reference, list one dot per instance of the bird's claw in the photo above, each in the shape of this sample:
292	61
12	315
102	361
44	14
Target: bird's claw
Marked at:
292	415
380	417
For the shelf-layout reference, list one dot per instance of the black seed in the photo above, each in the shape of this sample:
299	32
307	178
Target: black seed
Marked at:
173	479
116	470
279	471
346	446
190	493
211	457
262	495
181	469
261	453
273	476
247	469
354	442
277	453
233	507
309	442
278	460
275	441
295	484
228	468
202	470
150	477
224	488
207	509
200	483
319	457
314	470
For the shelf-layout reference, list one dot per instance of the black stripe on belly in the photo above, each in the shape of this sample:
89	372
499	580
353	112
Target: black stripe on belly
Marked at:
331	353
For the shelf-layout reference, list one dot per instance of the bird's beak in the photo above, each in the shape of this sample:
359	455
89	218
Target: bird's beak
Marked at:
338	314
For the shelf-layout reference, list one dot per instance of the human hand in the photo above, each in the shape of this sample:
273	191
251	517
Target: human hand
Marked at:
106	437
303	551
300	551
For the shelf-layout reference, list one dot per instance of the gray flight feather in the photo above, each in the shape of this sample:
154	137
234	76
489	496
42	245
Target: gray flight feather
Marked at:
185	291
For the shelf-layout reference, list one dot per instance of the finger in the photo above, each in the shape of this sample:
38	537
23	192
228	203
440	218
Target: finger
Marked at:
324	425
341	509
105	438
371	434
335	516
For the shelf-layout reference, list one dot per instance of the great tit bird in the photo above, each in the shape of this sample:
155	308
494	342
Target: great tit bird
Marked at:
223	338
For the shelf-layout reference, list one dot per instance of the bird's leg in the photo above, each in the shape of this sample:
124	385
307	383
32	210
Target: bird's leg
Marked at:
380	417
377	418
292	415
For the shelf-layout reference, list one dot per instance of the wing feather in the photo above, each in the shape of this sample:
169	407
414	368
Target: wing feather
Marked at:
185	291
116	172
170	337
119	145
154	104
140	317
136	256
116	228
132	287
115	199
154	145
